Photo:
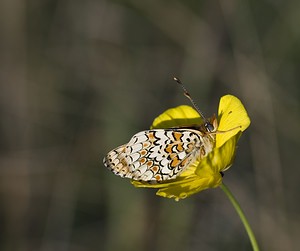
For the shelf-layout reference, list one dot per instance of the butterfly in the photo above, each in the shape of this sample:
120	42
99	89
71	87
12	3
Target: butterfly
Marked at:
160	154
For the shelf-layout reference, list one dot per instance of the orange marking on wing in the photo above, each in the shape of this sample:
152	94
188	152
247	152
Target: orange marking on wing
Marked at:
168	149
146	144
179	147
155	168
175	162
150	163
151	136
182	164
143	152
142	160
158	177
173	155
177	136
189	148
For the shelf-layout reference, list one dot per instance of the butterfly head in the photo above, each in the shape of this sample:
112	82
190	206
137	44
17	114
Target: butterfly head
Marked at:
210	125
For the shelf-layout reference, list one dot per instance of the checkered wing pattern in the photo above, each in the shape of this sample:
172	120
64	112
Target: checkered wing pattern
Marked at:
156	155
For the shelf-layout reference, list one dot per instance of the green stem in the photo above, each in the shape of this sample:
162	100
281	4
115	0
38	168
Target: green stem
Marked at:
242	216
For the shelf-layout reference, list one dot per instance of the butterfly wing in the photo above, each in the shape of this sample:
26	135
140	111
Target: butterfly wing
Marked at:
155	155
115	161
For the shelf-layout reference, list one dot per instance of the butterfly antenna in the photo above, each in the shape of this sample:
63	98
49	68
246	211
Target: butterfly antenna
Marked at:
186	93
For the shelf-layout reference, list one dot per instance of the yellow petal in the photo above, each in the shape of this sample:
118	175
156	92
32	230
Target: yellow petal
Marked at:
231	114
221	158
181	188
183	115
189	187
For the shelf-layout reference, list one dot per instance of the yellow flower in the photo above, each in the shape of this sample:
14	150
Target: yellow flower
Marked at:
204	173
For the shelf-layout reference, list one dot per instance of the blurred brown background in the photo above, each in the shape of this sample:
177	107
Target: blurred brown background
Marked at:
79	78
